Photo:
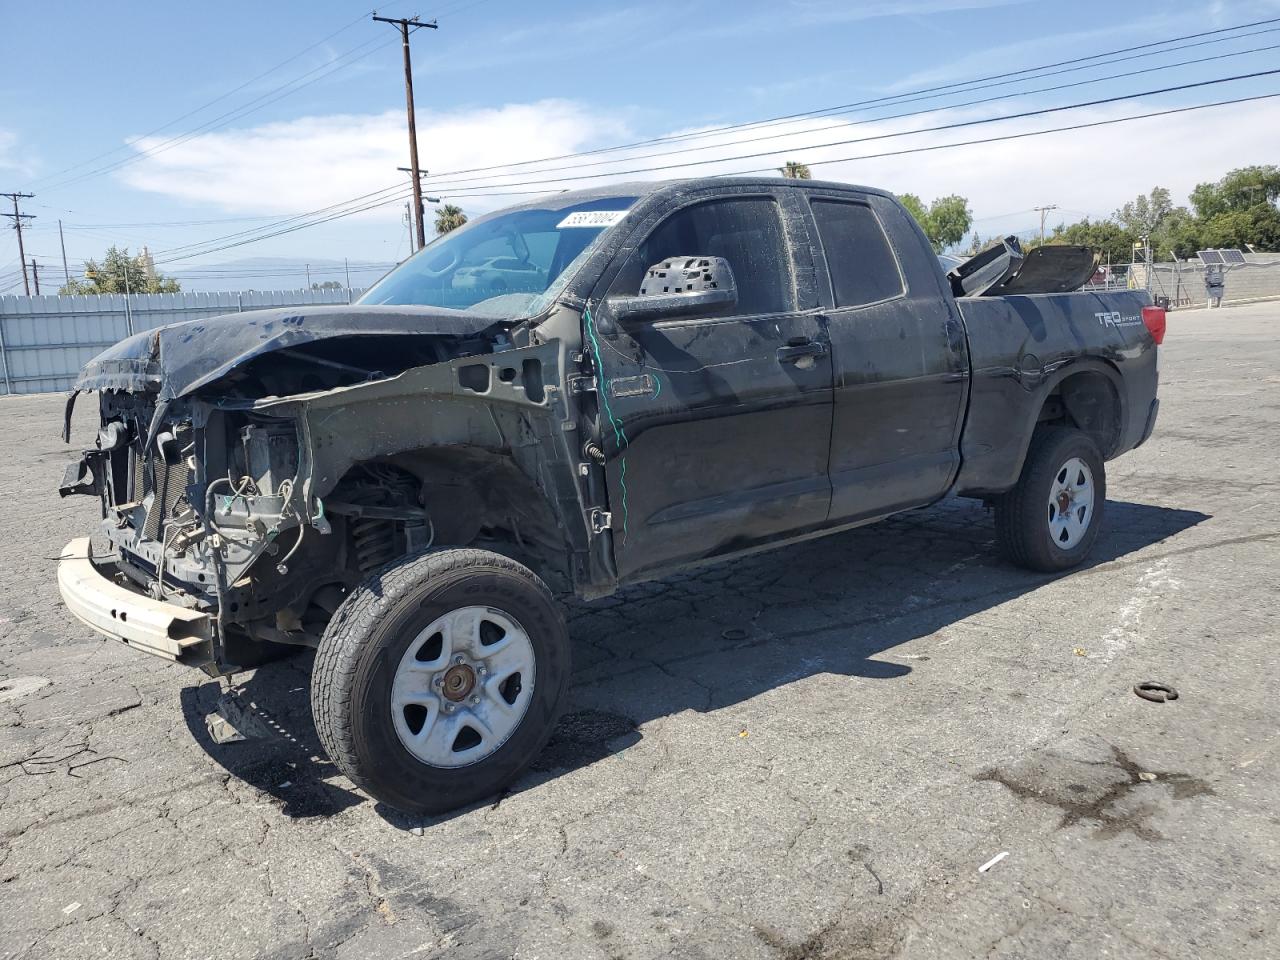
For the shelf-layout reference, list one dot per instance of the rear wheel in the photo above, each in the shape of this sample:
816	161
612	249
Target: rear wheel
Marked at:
1050	520
439	679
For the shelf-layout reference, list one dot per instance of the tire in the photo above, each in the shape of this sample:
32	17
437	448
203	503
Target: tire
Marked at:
374	647
1032	529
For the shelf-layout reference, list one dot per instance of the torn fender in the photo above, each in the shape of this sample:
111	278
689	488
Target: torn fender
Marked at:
509	406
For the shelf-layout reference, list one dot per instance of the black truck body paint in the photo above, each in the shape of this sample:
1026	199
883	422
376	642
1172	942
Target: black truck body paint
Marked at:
281	453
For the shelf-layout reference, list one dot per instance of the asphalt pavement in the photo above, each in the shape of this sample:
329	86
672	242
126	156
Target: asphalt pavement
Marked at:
809	753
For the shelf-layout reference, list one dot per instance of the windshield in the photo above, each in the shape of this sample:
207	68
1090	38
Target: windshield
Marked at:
509	265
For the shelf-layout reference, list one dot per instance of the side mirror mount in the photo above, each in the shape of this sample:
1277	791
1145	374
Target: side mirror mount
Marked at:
677	287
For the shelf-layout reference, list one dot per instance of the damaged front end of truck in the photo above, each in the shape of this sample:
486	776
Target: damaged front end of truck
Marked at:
251	469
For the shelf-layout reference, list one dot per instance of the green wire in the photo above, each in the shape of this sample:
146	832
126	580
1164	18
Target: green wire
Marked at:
619	434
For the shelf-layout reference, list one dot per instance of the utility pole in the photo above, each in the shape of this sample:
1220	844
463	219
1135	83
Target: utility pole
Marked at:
1043	211
65	272
17	225
35	274
404	24
308	266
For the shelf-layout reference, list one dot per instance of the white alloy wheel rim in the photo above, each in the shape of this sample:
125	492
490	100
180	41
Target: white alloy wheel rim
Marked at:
1071	503
463	686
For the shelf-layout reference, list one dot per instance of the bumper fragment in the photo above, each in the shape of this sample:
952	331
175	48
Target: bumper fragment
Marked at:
163	629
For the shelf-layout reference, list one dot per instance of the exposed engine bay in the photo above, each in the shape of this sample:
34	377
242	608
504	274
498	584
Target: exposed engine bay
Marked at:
262	494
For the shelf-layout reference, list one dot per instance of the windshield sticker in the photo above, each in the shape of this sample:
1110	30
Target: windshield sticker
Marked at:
591	218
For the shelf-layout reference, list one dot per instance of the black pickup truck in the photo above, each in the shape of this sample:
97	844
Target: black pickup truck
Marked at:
563	398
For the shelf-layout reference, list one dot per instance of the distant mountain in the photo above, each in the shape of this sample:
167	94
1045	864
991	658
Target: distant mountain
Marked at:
275	273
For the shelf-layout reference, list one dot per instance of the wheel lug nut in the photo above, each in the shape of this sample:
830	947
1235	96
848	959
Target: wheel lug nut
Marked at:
481	671
475	700
438	681
458	658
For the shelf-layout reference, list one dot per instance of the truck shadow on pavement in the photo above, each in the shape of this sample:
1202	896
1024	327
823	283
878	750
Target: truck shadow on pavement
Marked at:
702	640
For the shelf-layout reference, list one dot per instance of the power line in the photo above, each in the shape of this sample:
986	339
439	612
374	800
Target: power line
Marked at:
217	99
223	119
958	87
399	188
251	106
171	223
446	187
896	116
398	192
969	84
891	153
395	193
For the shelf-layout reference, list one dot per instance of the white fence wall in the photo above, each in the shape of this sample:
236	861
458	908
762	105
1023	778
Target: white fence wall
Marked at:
44	341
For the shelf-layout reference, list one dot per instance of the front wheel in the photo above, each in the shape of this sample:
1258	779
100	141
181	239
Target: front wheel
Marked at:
1049	521
439	679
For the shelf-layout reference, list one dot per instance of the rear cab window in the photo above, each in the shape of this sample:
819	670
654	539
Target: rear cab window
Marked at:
860	261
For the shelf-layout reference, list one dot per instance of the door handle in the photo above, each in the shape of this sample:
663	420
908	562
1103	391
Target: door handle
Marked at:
798	351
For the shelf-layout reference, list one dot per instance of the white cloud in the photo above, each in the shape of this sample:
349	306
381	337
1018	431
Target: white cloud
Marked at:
1089	171
312	162
308	163
11	158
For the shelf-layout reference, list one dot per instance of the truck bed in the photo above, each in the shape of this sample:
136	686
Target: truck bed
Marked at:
1020	345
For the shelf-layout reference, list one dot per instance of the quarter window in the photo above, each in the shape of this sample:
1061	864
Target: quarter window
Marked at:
747	232
860	261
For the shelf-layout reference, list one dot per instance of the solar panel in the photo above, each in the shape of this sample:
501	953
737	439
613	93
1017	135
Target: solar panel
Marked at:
1232	258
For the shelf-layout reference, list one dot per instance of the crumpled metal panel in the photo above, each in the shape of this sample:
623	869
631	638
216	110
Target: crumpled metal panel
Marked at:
1057	268
179	359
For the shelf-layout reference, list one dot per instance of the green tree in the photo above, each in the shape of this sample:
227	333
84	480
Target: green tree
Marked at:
120	273
795	170
1143	216
1178	236
915	206
1112	241
1238	190
945	221
1257	226
449	217
327	285
951	219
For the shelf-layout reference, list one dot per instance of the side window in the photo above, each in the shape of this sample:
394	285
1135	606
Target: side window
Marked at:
860	261
747	232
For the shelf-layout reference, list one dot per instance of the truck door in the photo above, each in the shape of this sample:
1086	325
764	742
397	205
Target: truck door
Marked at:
900	357
717	427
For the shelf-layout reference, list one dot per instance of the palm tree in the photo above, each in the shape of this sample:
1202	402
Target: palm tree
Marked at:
449	217
795	170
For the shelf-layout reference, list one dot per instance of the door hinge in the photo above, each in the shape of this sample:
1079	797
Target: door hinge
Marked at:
600	520
581	384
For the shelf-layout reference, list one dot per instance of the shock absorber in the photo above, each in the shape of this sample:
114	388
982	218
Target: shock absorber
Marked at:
374	542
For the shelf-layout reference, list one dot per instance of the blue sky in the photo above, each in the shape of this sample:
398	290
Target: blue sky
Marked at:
505	81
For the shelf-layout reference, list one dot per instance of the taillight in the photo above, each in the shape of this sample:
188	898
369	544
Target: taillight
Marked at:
1154	318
